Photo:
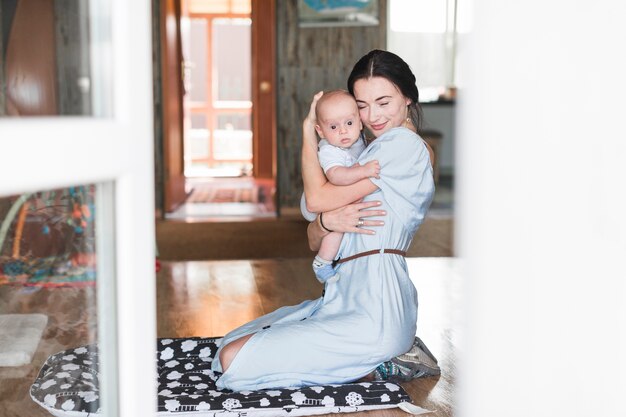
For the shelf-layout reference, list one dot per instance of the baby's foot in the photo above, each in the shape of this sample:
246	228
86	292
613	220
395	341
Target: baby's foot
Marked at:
323	269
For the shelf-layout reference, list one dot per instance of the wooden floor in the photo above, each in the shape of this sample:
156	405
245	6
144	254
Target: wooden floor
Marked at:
208	298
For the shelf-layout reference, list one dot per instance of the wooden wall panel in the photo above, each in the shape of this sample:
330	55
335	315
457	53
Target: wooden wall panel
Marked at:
72	57
310	60
2	82
159	181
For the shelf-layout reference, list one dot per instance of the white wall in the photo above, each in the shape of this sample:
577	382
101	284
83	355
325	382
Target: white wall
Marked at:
541	211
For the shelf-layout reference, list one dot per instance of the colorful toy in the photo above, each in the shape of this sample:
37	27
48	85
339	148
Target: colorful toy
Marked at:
59	249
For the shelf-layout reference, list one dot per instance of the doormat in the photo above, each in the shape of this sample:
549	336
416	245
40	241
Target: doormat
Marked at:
213	194
19	337
67	385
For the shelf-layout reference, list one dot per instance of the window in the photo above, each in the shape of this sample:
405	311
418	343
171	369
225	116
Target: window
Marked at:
218	99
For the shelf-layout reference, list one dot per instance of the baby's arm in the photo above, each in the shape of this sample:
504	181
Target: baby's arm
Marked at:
340	175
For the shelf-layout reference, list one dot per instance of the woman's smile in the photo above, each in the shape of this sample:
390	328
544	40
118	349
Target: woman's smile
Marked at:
377	127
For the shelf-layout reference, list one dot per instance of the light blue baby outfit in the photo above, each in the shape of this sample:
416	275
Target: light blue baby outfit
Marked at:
332	156
369	314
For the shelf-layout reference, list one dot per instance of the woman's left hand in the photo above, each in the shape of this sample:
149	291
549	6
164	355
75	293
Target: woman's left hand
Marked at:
353	218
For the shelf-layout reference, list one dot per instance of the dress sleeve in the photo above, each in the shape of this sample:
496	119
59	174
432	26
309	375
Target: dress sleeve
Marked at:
406	174
306	213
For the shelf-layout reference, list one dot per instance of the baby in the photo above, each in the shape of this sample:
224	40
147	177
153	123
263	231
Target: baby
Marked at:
339	128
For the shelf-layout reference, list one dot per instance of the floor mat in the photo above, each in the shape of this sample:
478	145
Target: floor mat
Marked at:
19	337
67	385
216	194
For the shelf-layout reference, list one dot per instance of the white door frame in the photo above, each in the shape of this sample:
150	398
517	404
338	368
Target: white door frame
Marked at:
114	147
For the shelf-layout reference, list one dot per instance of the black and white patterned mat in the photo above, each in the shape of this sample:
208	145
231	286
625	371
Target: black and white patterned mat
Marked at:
67	384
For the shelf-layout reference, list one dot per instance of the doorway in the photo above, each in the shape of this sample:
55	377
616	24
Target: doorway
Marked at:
229	152
217	98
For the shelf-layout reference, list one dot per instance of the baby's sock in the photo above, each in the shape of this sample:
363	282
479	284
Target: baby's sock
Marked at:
323	269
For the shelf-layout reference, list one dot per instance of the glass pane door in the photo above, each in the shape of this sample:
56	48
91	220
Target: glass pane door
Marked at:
218	101
52	286
77	297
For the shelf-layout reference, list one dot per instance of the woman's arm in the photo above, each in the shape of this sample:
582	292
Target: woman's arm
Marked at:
320	194
344	219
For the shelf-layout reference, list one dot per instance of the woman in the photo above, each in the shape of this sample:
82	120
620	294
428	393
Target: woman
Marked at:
368	315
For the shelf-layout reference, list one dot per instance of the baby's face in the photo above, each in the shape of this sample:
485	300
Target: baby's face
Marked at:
339	122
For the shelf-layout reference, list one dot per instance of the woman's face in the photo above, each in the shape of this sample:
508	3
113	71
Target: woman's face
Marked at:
381	105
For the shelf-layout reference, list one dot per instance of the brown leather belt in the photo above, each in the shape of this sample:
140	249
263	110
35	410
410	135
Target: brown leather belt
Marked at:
368	253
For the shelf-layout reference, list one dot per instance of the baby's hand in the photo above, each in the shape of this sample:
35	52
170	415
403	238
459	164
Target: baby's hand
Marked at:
372	169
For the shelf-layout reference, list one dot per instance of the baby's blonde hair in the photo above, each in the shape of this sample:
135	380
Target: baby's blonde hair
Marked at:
328	95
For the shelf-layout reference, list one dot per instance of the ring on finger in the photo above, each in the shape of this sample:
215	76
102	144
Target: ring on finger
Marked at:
361	223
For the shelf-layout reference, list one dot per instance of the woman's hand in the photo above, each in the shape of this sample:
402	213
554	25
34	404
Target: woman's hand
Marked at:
308	125
352	218
311	118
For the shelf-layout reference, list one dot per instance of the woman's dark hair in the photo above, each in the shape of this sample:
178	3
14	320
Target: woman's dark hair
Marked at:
388	65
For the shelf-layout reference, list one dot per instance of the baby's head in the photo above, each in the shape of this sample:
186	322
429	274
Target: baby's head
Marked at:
338	118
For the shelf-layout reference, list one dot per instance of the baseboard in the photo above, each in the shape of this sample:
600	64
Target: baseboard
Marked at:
290	212
284	237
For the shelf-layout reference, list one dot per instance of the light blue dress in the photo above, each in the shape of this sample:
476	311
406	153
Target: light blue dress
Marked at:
369	314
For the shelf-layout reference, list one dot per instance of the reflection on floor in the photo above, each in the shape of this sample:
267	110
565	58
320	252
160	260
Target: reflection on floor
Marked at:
72	321
209	298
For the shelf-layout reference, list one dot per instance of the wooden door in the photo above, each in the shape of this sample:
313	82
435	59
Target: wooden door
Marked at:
263	88
30	75
172	114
